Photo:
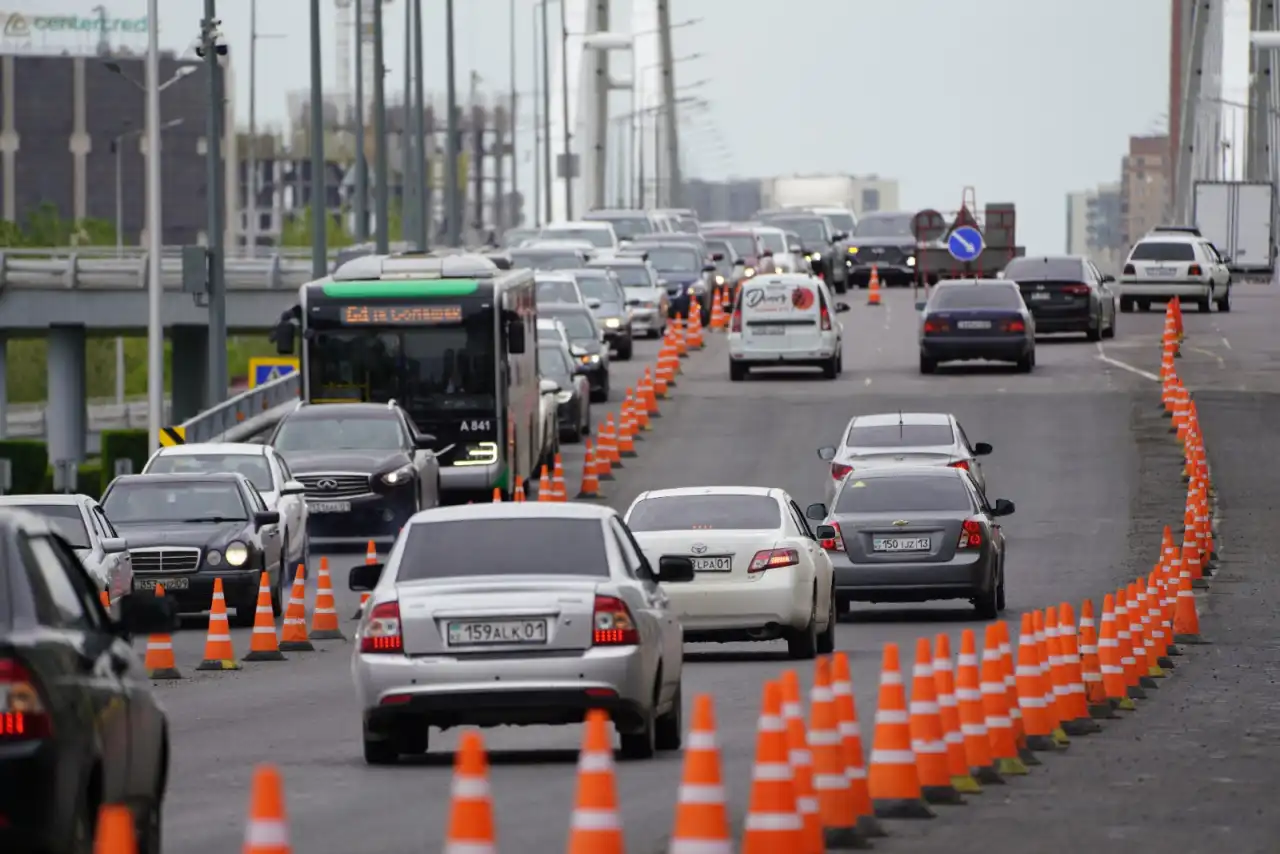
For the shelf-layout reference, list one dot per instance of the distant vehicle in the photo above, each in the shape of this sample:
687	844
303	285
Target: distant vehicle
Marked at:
80	522
627	224
730	268
647	301
573	391
908	534
840	220
1177	229
598	234
608	302
785	321
586	344
910	438
886	241
758	572
365	468
1160	267
518	614
265	469
544	257
683	219
1238	219
684	270
185	530
81	725
976	319
818	238
1066	293
552	331
746	243
560	287
514	237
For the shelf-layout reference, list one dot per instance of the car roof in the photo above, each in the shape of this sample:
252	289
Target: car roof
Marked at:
762	491
598	224
969	283
882	419
1169	237
564	308
514	510
877	472
549	246
245	449
56	499
325	410
192	477
760	228
637	260
1045	259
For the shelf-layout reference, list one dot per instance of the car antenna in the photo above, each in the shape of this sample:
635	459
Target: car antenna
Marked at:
901	426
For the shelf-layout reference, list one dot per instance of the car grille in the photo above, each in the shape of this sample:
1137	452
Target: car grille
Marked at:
882	255
330	487
165	559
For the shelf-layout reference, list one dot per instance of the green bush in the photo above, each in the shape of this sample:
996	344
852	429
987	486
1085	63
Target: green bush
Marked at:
28	464
89	479
122	445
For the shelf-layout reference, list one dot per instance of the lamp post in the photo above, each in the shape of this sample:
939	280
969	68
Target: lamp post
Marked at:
251	161
319	186
548	182
453	210
381	209
564	111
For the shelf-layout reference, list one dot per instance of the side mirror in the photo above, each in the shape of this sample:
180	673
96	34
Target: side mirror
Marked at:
293	487
267	517
842	307
424	442
827	453
365	576
547	386
982	449
1002	507
838	236
675	569
593	303
920	304
284	335
1108	279
709	268
515	337
141	614
815	512
717	256
824	532
768	253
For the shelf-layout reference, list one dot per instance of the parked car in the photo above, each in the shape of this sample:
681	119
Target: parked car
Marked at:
79	520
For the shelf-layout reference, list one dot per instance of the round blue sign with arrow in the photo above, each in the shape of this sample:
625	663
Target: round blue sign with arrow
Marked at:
965	243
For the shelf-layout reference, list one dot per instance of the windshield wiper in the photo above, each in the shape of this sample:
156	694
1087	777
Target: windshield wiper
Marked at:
210	519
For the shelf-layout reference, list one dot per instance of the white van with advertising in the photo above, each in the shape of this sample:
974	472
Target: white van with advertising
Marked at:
788	321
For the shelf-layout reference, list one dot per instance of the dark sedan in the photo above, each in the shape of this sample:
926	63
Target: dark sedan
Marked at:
915	534
186	530
586	345
573	392
964	320
1066	293
79	726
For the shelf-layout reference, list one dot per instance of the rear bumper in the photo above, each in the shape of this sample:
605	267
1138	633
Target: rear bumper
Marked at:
708	610
1164	290
1078	320
381	518
959	578
740	352
859	273
977	347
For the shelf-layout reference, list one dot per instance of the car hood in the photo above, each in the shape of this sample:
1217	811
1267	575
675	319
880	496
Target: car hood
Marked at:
318	462
905	240
679	277
141	535
590	345
645	294
608	309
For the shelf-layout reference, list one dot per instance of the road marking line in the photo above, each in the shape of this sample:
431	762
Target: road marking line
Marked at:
1124	366
1225	342
867	381
1210	354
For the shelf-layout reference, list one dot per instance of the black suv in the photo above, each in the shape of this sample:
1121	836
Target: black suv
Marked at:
365	467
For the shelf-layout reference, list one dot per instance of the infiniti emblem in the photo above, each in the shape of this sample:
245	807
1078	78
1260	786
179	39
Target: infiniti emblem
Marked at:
327	483
698	548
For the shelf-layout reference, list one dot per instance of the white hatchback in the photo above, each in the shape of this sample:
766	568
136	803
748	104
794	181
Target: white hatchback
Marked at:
759	573
786	320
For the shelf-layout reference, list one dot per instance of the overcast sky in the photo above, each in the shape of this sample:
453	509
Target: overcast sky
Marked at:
1025	100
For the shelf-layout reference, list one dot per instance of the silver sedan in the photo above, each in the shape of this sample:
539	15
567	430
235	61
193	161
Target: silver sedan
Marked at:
79	520
517	614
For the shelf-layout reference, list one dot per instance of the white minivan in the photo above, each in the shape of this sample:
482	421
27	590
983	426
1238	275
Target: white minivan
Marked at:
786	320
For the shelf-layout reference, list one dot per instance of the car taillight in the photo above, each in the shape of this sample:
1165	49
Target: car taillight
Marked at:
970	535
960	464
1129	270
825	320
1014	326
22	713
839	470
1194	270
614	625
773	559
836	543
1078	290
736	324
381	632
934	325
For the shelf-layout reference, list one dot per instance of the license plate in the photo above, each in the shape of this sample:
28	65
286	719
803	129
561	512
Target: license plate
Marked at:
974	324
482	632
767	330
169	583
714	563
901	544
329	507
1162	271
1037	297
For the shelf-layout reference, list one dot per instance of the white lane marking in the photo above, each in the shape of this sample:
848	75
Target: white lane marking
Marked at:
867	381
1210	354
1225	342
1124	366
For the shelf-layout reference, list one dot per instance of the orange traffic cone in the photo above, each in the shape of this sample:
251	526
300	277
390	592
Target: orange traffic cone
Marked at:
926	732
702	816
518	494
648	397
1031	690
1004	745
1045	654
594	827
557	480
893	780
104	599
370	557
606	450
1109	659
590	490
1124	634
830	782
1007	670
115	833
944	682
497	495
1186	619
1095	695
218	652
293	635
873	287
851	741
159	661
973	717
324	616
263	643
773	821
267	831
471	807
801	765
626	433
545	491
1076	719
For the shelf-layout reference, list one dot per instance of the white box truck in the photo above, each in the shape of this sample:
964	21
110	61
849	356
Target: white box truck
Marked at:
1238	218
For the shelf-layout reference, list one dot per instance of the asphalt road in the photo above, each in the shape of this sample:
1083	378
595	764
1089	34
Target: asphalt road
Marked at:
1079	447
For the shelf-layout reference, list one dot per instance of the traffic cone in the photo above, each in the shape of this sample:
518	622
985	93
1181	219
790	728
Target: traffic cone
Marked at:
926	732
1004	745
1124	634
639	414
370	557
519	495
626	433
851	741
873	287
1138	637
773	821
324	616
115	833
893	780
471	805
973	717
218	652
293	634
104	599
702	816
1078	720
945	687
263	643
695	338
606	451
159	660
830	782
557	480
590	490
1047	669
801	764
1095	694
594	827
1142	613
648	398
678	337
545	490
1110	659
1186	620
1008	668
1031	690
717	312
267	831
497	495
1161	631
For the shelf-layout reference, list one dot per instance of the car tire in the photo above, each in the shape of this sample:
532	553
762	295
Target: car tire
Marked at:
280	592
149	828
625	349
1027	363
642	744
1126	304
927	365
737	372
1144	305
827	639
987	604
1000	592
1224	304
840	359
1095	333
382	751
1110	331
1204	306
669	729
802	644
831	369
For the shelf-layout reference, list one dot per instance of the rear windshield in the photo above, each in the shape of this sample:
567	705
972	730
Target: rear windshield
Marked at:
743	244
553	291
627	228
904	494
975	296
503	547
1035	269
598	237
1156	250
253	467
598	287
633	276
705	513
773	241
546	260
675	260
66	520
899	435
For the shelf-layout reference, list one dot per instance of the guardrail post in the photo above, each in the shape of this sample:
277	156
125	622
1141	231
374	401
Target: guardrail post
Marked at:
142	273
273	271
4	269
6	476
73	265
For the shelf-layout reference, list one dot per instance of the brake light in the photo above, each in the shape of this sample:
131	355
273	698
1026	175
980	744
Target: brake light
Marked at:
970	535
614	625
1128	270
1076	289
22	713
1194	270
839	470
736	324
381	632
773	559
836	543
826	320
1014	326
960	464
934	325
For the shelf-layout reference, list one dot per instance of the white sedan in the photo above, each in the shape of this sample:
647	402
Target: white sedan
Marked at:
759	573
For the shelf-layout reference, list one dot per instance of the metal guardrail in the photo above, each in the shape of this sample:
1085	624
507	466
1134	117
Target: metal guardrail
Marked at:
30	423
247	414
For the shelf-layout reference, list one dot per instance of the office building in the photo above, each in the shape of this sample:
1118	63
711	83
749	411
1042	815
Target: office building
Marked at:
1144	186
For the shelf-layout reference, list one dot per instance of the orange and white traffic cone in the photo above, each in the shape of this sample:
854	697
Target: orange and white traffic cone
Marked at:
606	450
1008	669
626	432
926	731
1110	659
1004	744
830	782
851	741
471	806
873	287
893	780
1075	703
595	827
497	495
973	717
1045	654
1124	634
944	683
1161	631
590	490
1090	667
773	821
263	643
518	495
801	765
218	652
1186	619
324	616
293	634
115	831
702	816
1031	690
639	417
159	661
267	831
557	480
545	491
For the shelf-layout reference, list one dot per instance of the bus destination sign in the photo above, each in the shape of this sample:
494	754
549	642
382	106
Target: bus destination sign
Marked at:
400	315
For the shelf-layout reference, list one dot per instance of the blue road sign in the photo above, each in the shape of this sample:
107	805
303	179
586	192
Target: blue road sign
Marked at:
266	368
965	243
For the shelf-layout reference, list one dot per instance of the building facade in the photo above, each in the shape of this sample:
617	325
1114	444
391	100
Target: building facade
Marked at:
1144	186
1095	227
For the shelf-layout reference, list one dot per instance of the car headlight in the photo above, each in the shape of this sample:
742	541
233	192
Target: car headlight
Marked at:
911	261
564	396
778	270
589	358
399	476
719	280
213	557
749	272
612	322
237	554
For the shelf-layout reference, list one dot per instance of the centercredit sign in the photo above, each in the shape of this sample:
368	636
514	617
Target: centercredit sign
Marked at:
23	25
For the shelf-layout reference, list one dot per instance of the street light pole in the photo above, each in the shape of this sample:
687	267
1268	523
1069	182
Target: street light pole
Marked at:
548	182
512	113
361	206
564	109
155	243
116	147
409	141
251	161
380	133
319	186
217	348
420	118
452	207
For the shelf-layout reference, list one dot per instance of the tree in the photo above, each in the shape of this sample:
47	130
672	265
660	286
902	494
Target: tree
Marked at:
45	227
297	232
